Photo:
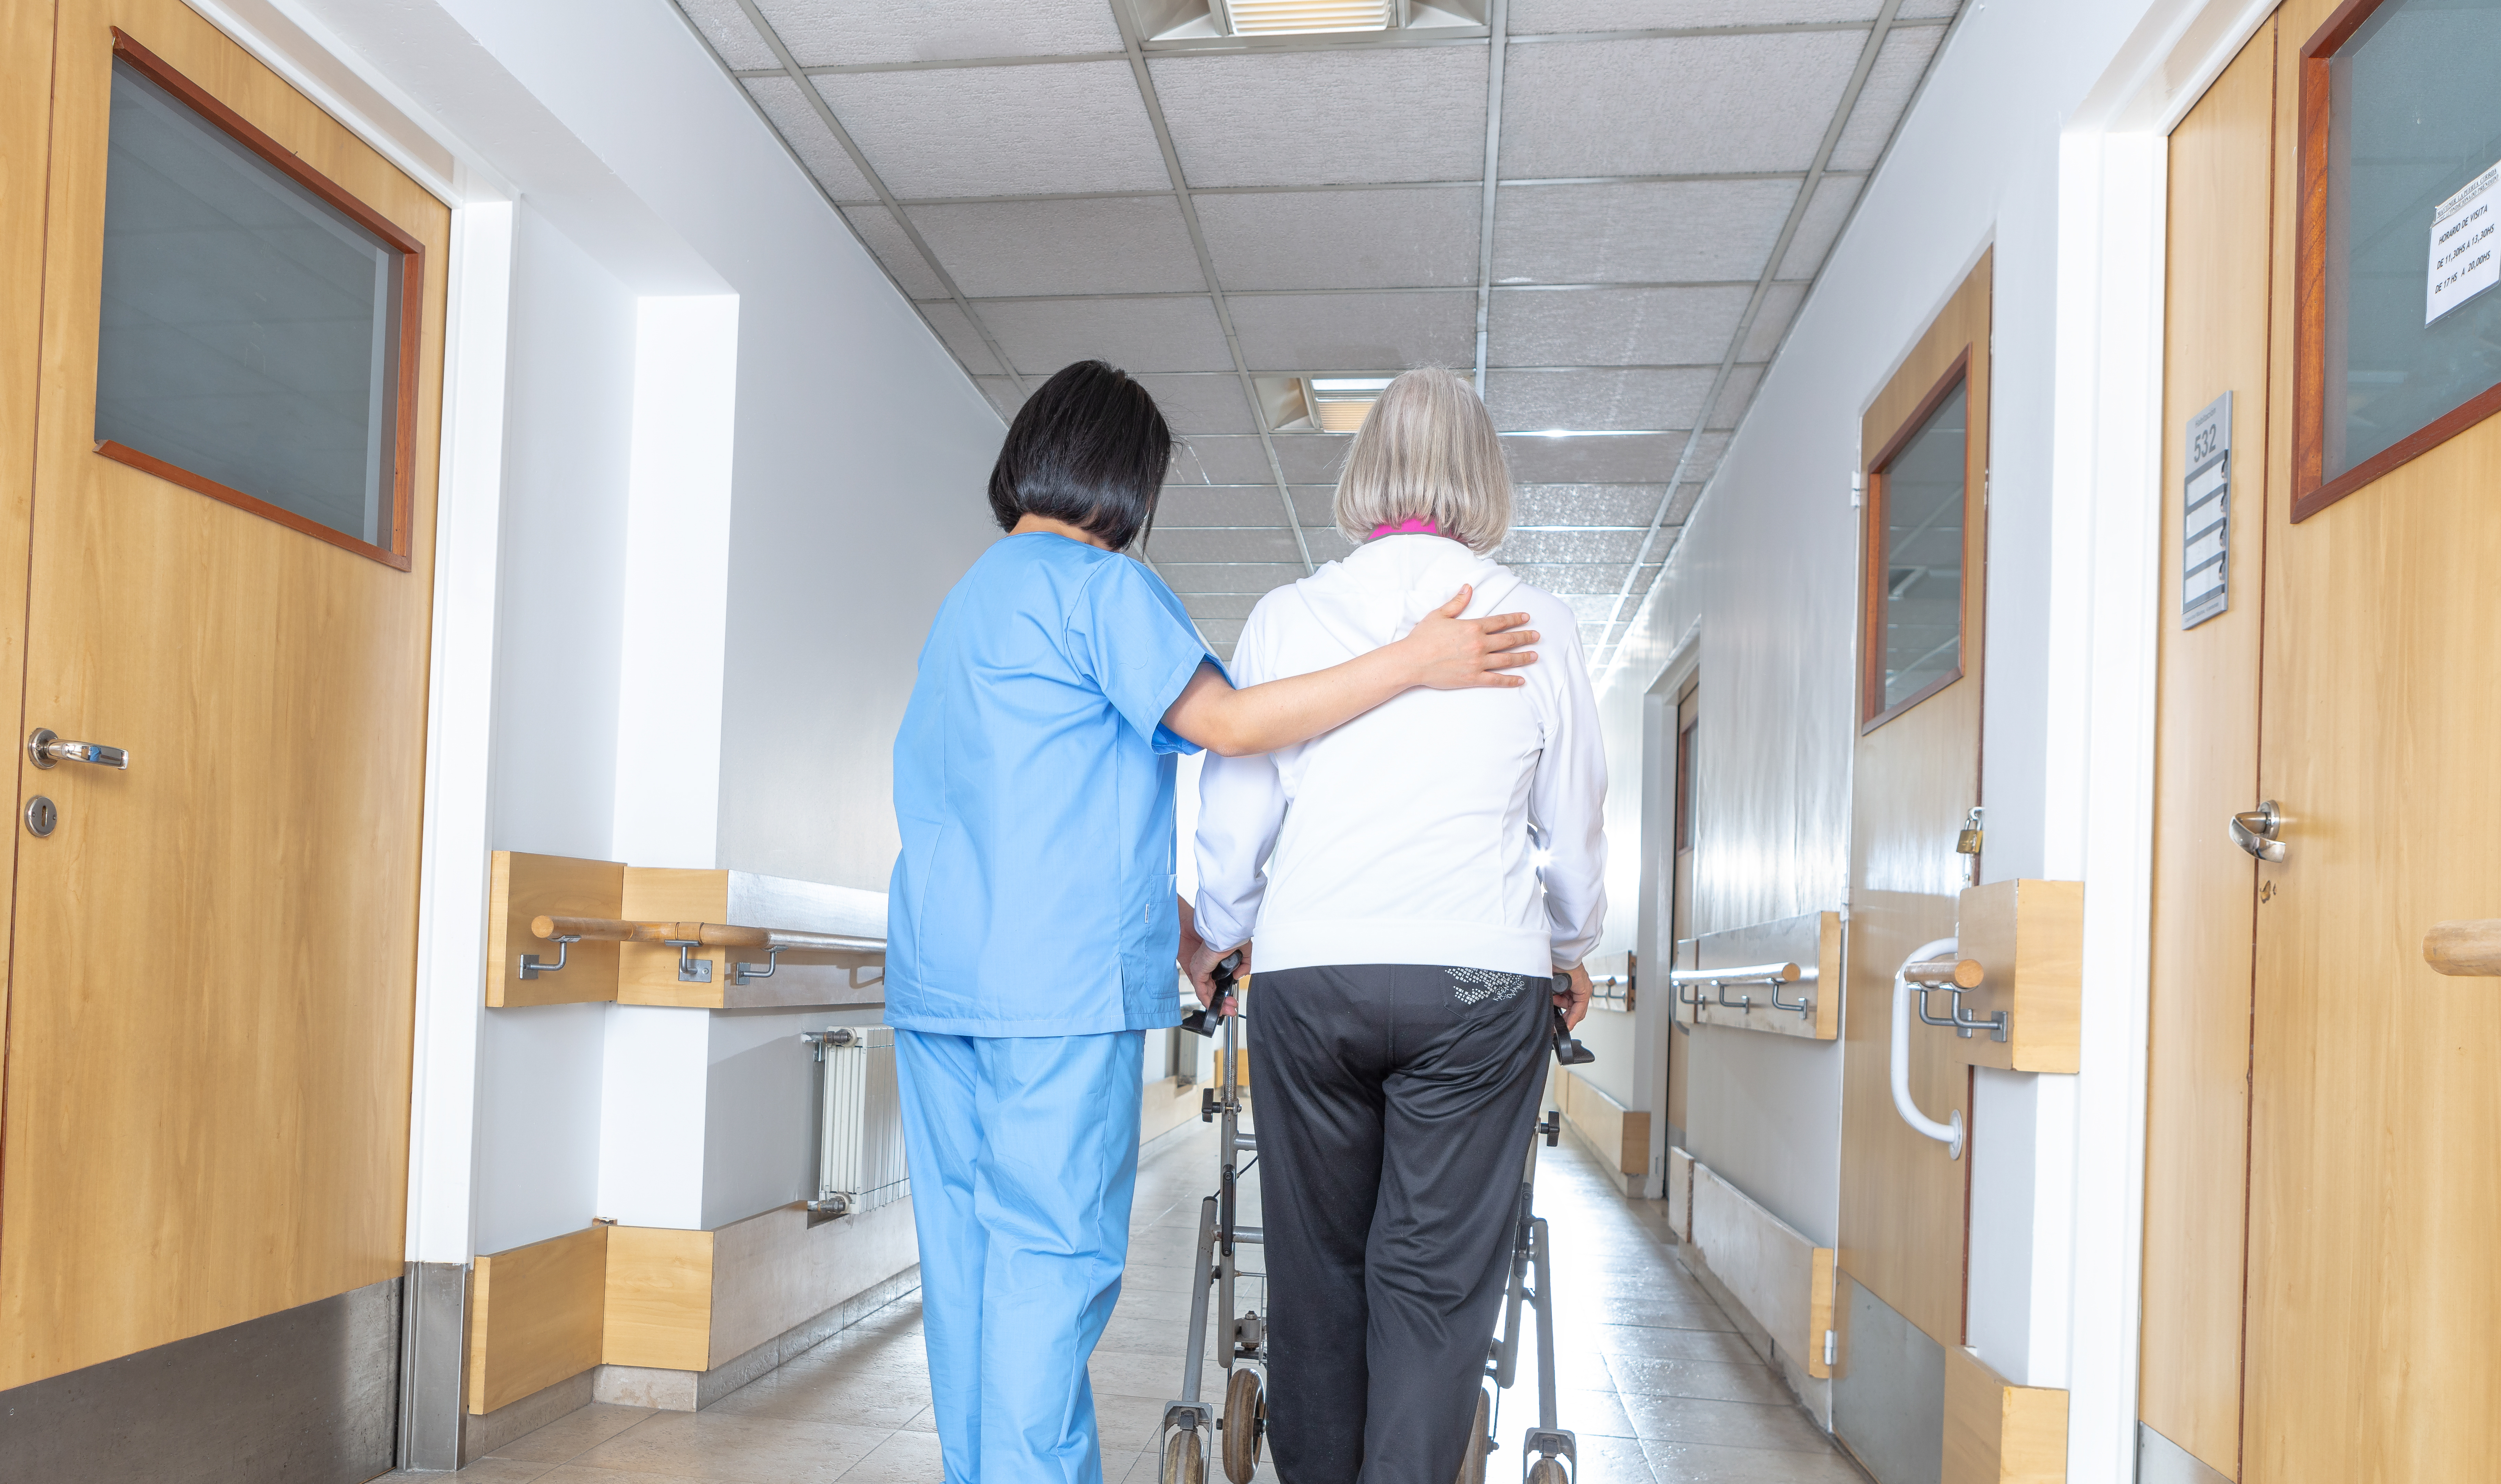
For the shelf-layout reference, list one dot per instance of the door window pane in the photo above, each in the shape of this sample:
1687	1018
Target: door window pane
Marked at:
2413	119
251	332
1920	508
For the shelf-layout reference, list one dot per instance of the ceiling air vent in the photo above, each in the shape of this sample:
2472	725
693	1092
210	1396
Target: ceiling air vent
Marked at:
1317	404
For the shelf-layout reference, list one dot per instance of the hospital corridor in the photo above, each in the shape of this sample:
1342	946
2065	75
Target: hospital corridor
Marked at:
1332	742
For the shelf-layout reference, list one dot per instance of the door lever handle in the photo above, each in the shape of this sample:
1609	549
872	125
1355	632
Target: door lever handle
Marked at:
2255	830
47	748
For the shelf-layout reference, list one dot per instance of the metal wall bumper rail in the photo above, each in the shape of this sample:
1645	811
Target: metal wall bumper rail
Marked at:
685	937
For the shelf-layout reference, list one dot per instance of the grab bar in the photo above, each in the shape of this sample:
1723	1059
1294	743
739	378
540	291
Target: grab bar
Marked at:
1718	980
687	937
2466	946
1931	969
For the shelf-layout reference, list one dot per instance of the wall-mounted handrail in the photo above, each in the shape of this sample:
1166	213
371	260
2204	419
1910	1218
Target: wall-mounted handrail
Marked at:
1718	981
1952	975
2468	946
1936	972
687	937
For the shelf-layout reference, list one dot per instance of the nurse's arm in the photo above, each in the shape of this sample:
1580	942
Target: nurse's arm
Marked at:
1443	652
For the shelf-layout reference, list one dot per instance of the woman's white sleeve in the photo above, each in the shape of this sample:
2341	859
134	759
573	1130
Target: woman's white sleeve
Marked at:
1567	805
1241	806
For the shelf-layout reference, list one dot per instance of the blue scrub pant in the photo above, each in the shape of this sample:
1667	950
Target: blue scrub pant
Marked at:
1024	1160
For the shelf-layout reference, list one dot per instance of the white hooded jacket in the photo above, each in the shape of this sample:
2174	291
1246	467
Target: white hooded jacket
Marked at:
1411	834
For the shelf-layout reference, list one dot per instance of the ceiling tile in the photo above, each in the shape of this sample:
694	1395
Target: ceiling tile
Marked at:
1674	106
724	25
1041	335
1533	17
1700	465
1538	460
1613	547
1355	331
1779	306
1223	633
1340	117
1328	543
1219	607
1220	461
1899	65
1825	215
1003	394
830	33
1927	10
1733	398
1414	237
1133	245
1613	327
876	226
1198	544
1312	458
1686	497
1593	609
1219	505
1642	232
1596	401
1585	505
1573	578
1001	131
955	329
1192	577
1207	402
1315	504
816	146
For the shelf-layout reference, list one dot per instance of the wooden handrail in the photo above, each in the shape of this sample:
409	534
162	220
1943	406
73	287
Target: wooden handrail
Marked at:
2466	945
1751	973
1961	973
708	935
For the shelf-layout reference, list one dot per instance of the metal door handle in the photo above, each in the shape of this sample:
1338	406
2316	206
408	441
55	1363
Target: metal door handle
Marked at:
48	748
2254	830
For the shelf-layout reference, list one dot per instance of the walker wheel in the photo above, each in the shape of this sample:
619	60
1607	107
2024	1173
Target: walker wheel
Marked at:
1548	1470
1471	1462
1184	1462
1246	1422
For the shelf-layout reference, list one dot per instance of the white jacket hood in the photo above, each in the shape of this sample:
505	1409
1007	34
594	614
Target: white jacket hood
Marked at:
1386	587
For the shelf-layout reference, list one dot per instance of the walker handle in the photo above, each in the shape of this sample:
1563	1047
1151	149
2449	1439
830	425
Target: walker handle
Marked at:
1202	1020
1568	1051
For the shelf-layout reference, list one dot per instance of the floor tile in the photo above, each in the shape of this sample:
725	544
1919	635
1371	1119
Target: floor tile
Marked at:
710	1446
1723	1423
1714	1380
904	1457
1660	1343
573	1434
1701	1463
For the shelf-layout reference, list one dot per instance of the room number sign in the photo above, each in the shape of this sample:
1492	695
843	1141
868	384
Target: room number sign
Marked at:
2206	526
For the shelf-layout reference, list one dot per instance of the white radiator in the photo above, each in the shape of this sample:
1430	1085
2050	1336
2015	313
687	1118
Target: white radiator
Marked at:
859	1122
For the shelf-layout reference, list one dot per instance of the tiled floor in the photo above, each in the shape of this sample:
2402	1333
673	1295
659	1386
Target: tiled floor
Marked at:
1654	1380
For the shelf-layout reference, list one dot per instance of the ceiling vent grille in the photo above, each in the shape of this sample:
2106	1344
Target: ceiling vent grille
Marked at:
1278	18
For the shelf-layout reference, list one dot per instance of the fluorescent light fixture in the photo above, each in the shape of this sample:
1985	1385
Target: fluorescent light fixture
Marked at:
1284	18
1340	404
1289	24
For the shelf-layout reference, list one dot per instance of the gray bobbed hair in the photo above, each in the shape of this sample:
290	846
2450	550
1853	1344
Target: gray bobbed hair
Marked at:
1428	449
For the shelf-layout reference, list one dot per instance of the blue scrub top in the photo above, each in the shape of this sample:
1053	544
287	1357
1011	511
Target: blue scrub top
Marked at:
1033	782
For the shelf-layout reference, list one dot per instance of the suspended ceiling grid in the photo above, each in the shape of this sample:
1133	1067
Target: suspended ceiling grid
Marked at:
1607	211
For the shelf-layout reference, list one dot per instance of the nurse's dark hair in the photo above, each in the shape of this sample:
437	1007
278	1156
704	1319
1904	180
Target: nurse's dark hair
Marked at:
1089	448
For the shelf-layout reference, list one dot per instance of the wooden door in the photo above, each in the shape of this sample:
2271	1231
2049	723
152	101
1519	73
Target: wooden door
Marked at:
213	981
2375	1083
1683	724
1916	774
2206	769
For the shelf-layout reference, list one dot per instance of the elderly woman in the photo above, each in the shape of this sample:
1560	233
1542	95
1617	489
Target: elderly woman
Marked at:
1413	878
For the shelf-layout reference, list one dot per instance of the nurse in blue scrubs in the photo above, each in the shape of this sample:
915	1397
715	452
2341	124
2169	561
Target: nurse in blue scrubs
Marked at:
1033	926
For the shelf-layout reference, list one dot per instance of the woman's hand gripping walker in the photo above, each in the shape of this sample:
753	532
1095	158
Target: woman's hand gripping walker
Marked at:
1190	1425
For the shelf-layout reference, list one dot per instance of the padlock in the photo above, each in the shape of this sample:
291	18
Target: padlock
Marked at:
1967	842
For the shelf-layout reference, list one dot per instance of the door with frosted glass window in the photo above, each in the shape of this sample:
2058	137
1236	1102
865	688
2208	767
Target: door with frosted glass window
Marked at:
221	770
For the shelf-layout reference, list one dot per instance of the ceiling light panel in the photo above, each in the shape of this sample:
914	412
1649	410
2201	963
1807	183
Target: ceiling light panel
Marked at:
955	329
1674	106
1585	505
1205	402
1900	63
1614	326
1826	211
1330	117
724	25
1041	335
827	33
1132	245
877	228
1296	332
1287	17
816	146
1221	461
1639	232
1170	544
1001	131
1531	17
1534	401
1407	237
1538	460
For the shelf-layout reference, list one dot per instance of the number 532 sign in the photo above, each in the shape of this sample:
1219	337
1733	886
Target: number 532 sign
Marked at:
2206	524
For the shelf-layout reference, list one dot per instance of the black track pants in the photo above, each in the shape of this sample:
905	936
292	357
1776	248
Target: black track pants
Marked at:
1393	1107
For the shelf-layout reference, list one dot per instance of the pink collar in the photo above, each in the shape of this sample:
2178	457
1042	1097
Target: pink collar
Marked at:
1412	525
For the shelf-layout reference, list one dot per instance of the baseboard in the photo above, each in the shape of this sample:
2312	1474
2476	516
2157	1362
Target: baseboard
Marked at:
688	1391
1813	1393
1888	1391
482	1432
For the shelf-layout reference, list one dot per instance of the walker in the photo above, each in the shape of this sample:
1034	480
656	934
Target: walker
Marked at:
1190	1426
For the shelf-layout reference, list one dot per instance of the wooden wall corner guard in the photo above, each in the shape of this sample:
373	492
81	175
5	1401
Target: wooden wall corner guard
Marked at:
1999	1433
535	1316
522	887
